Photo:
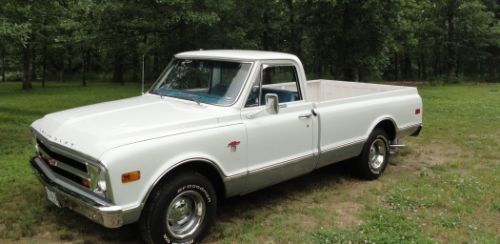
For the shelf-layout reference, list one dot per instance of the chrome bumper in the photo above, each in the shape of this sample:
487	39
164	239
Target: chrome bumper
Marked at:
78	200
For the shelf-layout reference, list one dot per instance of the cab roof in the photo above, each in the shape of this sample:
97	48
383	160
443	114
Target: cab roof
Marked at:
235	54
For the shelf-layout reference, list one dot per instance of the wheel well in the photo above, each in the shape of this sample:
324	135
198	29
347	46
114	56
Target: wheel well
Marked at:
389	128
204	168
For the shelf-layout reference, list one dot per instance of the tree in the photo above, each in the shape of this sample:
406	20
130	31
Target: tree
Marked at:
344	39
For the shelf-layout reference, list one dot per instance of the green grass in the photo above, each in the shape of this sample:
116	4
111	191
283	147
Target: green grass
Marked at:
444	187
22	207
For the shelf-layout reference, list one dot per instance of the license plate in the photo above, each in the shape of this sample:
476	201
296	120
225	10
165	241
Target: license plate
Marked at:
52	197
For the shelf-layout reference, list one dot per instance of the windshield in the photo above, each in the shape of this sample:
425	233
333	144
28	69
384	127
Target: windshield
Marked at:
202	81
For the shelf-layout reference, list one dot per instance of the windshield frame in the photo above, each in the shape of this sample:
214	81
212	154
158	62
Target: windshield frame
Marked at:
237	98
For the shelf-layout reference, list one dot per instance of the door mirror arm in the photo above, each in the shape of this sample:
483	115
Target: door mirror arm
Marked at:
272	106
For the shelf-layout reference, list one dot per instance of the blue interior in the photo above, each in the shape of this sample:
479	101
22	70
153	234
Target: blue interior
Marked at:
216	95
219	90
284	96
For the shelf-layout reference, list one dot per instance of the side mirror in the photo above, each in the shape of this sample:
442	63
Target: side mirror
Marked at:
272	103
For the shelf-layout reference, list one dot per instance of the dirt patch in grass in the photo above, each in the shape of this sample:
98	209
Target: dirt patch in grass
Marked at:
306	222
347	214
415	157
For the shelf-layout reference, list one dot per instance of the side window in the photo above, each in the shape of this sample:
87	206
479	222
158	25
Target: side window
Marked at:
281	80
279	74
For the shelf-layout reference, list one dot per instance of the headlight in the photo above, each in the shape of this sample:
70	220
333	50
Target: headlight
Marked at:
97	179
101	186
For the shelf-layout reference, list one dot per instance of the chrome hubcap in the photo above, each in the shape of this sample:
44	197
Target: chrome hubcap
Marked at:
185	214
377	155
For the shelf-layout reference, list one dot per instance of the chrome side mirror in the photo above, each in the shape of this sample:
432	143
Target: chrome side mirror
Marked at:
272	103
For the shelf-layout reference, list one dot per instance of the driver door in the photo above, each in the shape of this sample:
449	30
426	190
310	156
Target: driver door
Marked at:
280	146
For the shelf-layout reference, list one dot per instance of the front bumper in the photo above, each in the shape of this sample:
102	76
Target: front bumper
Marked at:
76	199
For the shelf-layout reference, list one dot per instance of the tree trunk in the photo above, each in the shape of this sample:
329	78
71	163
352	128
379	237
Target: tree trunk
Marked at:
136	64
450	44
61	75
3	66
33	64
356	74
424	66
61	72
265	34
295	35
69	68
44	64
156	63
27	67
419	68
118	68
408	73
84	68
396	66
435	70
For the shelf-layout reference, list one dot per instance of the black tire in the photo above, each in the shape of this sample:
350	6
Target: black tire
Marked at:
181	197
370	167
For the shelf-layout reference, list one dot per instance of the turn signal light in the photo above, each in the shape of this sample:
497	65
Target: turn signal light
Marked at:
86	182
131	176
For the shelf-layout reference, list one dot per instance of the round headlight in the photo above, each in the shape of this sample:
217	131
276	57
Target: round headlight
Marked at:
101	185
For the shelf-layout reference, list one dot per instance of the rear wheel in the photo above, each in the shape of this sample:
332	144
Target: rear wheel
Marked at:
375	155
181	210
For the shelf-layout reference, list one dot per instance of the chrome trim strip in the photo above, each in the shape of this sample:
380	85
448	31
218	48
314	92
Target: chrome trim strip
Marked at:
343	152
267	176
235	176
280	164
344	145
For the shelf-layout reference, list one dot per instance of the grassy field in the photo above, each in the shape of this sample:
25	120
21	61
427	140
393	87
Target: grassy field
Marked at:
444	187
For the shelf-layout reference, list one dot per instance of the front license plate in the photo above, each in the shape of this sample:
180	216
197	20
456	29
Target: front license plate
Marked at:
52	197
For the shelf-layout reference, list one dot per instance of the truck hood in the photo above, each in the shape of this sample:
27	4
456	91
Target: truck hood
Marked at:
94	129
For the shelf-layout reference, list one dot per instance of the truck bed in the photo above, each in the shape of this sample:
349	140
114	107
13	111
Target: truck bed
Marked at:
320	91
327	90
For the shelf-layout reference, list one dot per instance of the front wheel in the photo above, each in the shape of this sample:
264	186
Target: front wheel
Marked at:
375	155
181	210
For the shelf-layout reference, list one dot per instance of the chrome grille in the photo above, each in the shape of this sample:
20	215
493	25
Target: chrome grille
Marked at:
64	166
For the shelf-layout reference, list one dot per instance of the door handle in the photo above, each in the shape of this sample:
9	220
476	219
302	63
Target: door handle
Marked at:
305	116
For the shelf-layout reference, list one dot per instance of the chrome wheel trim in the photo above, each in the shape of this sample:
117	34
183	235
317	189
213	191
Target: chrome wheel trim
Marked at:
377	154
185	214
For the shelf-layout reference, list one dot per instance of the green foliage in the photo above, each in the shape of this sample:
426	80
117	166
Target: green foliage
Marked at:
351	40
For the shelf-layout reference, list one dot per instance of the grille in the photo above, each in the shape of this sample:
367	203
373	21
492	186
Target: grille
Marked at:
66	167
61	158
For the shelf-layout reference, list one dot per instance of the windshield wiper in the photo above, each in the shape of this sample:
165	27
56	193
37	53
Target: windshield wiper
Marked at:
156	93
179	94
193	98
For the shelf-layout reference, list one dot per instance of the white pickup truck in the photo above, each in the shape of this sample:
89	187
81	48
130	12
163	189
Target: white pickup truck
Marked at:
215	124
